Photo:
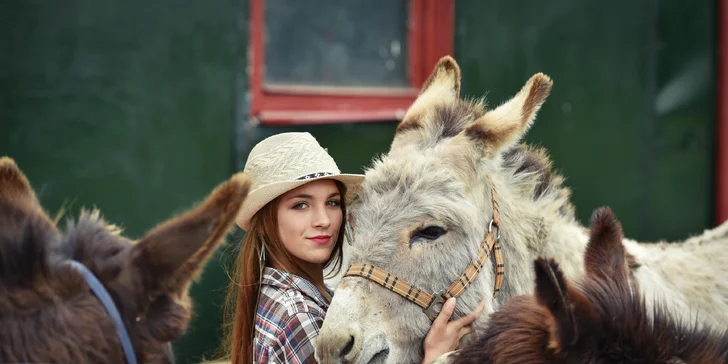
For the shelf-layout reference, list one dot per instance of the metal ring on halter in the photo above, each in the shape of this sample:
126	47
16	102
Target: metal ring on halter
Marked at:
437	298
490	229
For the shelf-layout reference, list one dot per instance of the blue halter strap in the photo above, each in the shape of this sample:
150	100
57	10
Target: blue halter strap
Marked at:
110	307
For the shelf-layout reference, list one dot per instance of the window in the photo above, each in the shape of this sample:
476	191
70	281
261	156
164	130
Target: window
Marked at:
320	61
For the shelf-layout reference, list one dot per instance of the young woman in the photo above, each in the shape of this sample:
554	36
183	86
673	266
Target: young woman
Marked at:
294	220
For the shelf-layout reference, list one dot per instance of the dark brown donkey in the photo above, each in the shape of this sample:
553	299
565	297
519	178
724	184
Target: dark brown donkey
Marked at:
603	319
48	312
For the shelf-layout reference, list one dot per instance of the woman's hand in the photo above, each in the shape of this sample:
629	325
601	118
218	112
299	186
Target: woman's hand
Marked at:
444	336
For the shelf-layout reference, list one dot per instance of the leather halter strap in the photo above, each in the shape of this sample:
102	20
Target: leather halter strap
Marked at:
425	300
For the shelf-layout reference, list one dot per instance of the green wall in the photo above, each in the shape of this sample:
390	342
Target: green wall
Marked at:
127	106
139	108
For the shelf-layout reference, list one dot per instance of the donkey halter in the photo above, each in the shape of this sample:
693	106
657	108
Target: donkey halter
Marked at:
426	300
103	295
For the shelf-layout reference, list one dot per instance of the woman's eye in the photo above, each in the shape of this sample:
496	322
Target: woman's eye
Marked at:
334	203
300	206
429	233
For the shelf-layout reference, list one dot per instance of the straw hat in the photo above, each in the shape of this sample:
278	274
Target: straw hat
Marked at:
285	161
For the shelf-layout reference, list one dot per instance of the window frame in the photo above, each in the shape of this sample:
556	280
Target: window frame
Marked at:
429	36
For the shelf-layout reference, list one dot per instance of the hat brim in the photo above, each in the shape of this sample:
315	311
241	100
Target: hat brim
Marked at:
259	197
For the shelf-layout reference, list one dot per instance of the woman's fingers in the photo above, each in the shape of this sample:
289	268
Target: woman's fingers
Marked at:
464	331
444	316
479	309
467	319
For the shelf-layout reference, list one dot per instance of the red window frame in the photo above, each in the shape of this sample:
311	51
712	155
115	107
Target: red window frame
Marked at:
430	36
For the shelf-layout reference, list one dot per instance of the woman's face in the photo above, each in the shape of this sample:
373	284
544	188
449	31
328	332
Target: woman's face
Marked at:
309	218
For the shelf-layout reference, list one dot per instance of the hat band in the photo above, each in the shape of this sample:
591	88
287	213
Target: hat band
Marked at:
314	175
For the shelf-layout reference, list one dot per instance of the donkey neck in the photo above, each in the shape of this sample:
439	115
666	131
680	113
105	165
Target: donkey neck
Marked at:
535	224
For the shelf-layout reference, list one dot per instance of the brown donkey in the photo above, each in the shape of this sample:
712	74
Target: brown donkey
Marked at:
602	319
51	310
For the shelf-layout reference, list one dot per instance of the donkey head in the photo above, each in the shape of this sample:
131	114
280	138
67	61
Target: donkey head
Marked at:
47	311
422	213
602	319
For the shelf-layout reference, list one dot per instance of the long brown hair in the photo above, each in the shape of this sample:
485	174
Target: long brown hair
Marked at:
242	297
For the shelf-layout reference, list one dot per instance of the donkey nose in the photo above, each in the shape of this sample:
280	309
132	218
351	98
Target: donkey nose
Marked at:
340	347
347	348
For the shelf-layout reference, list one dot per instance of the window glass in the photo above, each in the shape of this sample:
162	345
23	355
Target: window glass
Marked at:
354	43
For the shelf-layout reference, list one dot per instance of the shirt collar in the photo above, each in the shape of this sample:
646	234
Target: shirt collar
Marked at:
284	280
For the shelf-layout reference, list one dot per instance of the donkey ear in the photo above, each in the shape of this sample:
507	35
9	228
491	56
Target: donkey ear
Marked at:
446	74
506	124
442	86
552	291
13	183
18	200
605	256
174	252
25	230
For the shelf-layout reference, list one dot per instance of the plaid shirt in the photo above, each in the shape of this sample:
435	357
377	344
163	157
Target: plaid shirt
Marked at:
290	313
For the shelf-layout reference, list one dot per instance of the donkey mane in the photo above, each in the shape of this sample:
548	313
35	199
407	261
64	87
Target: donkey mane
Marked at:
454	118
531	166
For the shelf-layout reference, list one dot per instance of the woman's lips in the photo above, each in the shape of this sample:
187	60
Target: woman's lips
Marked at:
321	239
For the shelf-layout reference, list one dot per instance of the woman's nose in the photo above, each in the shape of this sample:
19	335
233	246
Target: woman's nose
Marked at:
322	218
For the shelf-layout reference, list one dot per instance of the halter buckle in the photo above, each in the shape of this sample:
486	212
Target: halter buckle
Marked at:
490	229
437	298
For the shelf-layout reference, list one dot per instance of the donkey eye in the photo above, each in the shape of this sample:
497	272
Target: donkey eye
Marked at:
429	233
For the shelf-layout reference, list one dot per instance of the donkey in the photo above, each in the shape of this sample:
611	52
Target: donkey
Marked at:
455	187
602	319
89	295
